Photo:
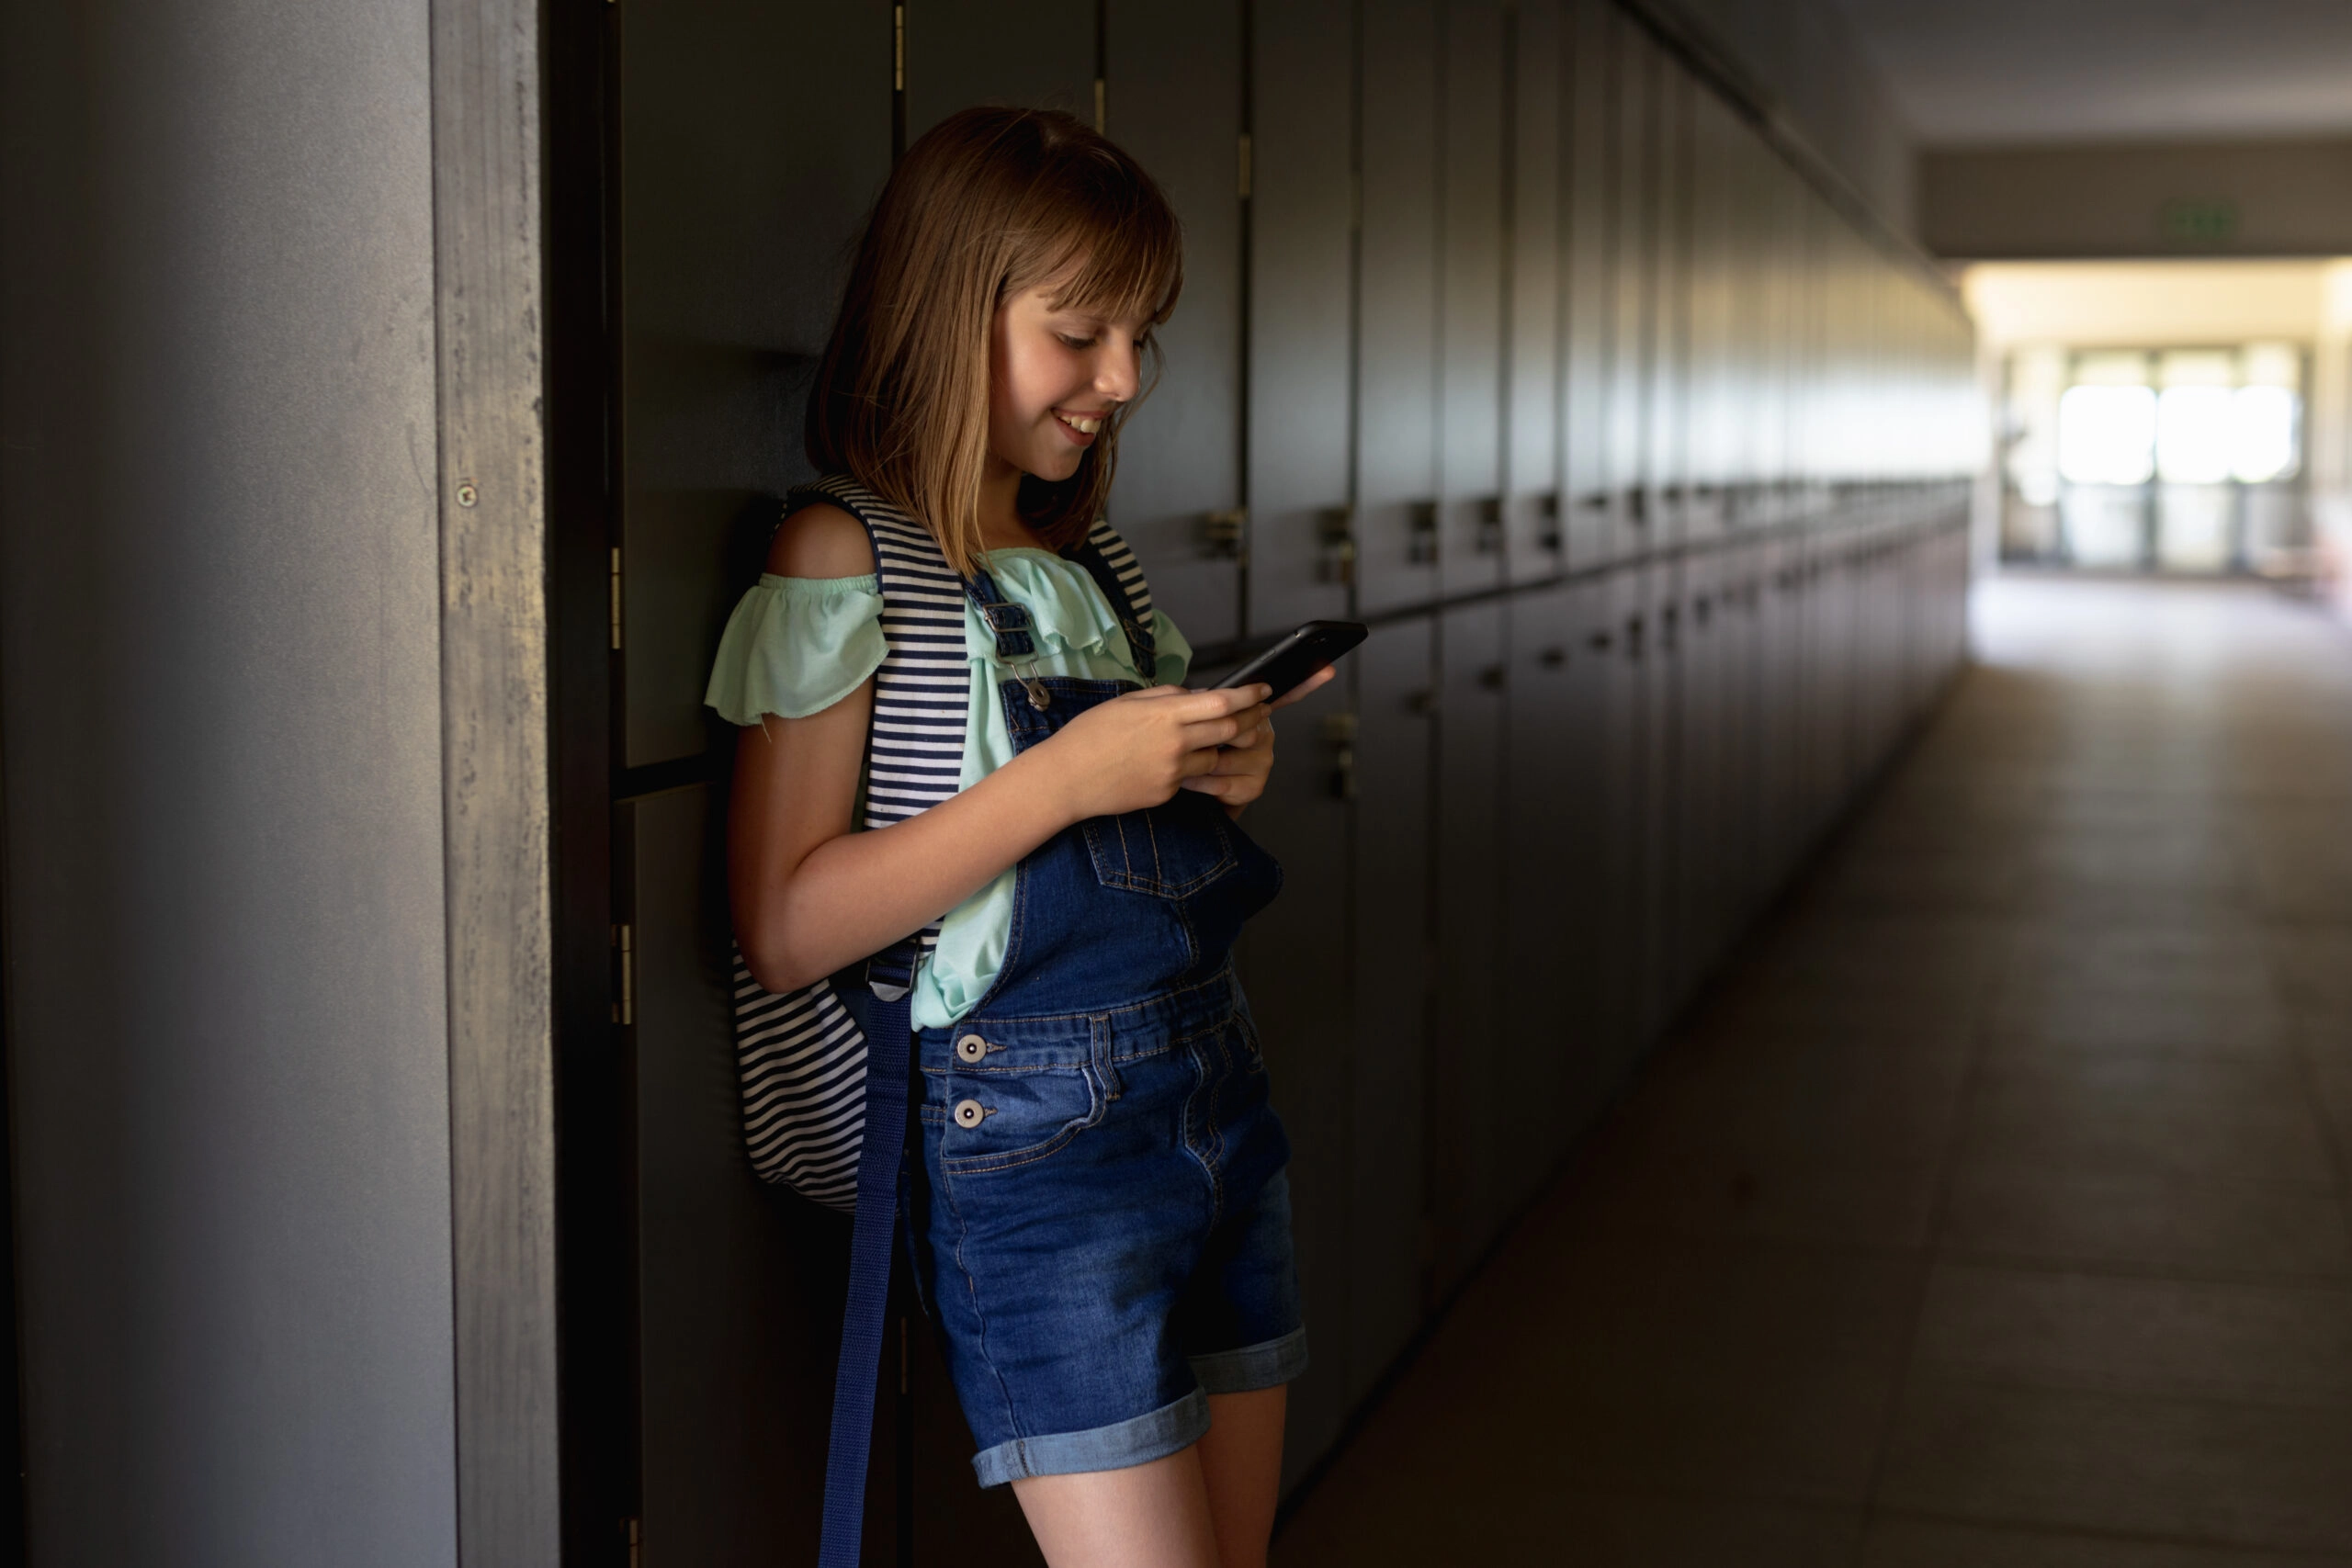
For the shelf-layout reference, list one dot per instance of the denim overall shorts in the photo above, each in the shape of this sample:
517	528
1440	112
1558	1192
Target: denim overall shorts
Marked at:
1101	1223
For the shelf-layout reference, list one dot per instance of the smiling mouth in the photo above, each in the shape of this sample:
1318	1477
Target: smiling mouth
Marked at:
1084	423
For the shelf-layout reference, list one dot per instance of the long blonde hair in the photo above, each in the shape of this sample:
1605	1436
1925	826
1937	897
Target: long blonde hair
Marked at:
989	203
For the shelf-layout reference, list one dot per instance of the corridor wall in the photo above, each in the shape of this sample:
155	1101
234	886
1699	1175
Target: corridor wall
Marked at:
1504	330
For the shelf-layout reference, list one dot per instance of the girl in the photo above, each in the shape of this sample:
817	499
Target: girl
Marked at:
1099	1216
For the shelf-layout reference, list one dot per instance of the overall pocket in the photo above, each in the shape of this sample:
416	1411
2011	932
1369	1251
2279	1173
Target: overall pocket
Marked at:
995	1120
1168	851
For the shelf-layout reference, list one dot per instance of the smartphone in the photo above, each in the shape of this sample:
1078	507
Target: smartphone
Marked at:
1314	646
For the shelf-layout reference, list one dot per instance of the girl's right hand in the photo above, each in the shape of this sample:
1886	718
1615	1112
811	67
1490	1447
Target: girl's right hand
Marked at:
1133	751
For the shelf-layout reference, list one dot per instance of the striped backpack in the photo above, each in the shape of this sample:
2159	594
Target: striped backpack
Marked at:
802	1056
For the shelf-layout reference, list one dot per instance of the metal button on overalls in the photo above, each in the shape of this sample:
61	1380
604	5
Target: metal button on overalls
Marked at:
968	1113
971	1048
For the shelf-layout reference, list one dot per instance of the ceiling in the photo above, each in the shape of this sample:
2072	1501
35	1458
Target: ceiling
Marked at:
1980	73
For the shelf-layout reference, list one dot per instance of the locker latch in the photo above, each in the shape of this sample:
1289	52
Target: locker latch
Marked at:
1225	530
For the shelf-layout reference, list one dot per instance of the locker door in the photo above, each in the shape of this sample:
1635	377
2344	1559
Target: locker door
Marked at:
961	52
1628	807
1302	248
1391	986
1712	417
1473	263
1633	230
739	1287
731	244
1474	1041
1294	962
1736	656
1589	800
1699	762
1531	516
1397	459
1667	432
1587	285
1659	653
1548	743
1172	97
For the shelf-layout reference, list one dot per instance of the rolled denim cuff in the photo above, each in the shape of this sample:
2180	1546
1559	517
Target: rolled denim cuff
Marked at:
1170	1429
1253	1367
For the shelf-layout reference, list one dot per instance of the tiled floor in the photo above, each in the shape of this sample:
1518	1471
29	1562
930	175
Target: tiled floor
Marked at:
1993	1212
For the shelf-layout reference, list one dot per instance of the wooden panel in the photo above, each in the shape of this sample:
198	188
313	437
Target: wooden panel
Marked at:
1390	986
487	315
961	52
1473	270
1474	1039
1173	99
1588	289
1397	469
1302	261
733	241
1531	511
1294	960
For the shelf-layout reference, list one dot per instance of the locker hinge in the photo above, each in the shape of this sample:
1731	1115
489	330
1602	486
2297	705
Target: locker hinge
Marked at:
898	48
624	974
1243	165
616	598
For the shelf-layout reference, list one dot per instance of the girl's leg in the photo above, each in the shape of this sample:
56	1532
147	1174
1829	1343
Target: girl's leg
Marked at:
1147	1515
1241	1465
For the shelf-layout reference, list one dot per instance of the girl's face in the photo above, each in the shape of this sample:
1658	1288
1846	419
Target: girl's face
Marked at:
1054	378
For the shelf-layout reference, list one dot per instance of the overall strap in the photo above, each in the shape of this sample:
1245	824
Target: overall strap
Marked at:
914	755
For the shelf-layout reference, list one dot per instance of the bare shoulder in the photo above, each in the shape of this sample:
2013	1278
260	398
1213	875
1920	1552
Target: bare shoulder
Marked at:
820	541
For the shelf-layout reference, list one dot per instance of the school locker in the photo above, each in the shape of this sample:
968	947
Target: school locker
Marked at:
1699	762
1473	263
1548	740
1534	541
1667	427
1390	989
1172	99
1627	804
731	240
1294	963
961	52
1586	281
1712	412
1473	1033
1635	180
1738	649
1299	166
1397	521
1657	651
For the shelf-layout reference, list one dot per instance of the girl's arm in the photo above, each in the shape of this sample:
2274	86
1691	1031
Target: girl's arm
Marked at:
810	896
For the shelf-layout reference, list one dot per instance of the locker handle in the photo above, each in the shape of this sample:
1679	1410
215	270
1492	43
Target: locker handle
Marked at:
1600	641
1594	500
1553	658
1225	530
1493	677
1637	504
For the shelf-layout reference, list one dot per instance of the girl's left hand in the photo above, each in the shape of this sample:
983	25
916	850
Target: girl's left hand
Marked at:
1244	763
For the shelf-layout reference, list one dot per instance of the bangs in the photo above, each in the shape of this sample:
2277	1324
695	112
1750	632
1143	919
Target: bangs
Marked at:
1118	253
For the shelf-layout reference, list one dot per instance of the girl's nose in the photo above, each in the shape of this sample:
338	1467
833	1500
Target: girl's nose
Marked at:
1119	374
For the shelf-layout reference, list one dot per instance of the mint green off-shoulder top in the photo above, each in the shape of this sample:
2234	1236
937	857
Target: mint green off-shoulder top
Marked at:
796	645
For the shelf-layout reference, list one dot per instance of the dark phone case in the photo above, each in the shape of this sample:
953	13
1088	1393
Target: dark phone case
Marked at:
1308	648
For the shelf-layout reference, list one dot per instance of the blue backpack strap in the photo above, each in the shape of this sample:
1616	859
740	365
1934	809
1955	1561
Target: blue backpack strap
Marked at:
914	756
1119	575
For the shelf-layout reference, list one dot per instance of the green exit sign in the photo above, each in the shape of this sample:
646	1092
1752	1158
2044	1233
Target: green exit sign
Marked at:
2197	220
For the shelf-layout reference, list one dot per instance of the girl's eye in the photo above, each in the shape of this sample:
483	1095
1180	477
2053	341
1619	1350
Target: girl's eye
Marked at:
1069	342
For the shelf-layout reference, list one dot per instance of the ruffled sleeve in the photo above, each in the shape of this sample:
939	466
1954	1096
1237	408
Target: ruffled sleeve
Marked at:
796	645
